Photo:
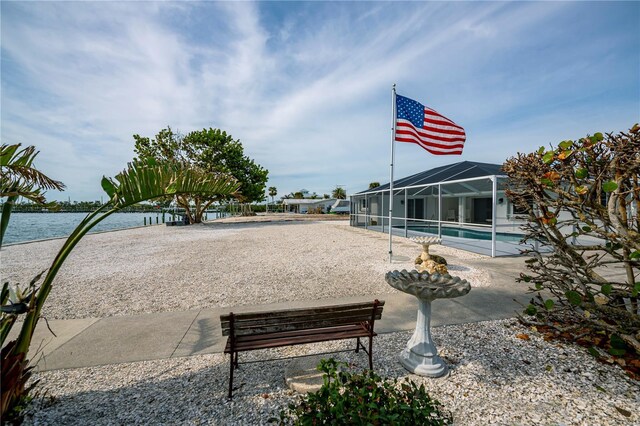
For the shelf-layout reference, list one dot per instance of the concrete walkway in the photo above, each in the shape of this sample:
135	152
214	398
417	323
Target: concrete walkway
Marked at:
111	340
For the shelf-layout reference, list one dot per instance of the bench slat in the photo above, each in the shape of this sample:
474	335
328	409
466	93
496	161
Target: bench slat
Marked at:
300	311
239	320
304	325
353	316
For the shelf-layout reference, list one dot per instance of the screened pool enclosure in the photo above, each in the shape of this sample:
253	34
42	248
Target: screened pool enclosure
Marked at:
464	203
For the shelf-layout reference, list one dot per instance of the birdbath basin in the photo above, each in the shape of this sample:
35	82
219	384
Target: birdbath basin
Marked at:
421	355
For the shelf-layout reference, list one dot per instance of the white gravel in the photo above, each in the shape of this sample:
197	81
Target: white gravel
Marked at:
495	378
159	268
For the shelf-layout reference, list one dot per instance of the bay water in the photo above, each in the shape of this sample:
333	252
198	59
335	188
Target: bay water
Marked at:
37	226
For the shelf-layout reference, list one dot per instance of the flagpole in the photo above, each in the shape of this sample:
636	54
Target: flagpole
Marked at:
393	137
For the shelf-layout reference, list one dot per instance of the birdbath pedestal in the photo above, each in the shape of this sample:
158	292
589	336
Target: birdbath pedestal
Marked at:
425	242
421	355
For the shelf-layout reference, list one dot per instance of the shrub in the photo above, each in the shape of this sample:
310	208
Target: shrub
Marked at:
581	201
352	399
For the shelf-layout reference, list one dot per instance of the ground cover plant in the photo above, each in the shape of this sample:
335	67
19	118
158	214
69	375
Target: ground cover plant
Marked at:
347	398
582	204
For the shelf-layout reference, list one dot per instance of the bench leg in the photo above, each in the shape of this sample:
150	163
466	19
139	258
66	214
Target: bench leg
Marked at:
370	353
357	344
231	364
236	361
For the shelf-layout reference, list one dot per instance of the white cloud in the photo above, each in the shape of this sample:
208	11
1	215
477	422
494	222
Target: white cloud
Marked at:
306	87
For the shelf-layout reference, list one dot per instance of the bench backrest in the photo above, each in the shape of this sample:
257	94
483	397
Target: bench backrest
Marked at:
254	323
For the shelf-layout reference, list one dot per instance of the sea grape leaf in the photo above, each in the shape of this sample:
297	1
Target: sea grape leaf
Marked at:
548	157
581	173
574	297
609	186
617	342
635	255
531	310
582	189
548	303
606	289
565	144
617	352
598	136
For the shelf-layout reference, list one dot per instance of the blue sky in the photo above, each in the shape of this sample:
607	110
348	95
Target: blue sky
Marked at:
306	87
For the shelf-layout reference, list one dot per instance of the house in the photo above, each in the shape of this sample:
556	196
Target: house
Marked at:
460	200
304	205
341	207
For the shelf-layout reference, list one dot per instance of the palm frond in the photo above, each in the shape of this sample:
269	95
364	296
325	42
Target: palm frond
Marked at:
17	166
145	181
21	189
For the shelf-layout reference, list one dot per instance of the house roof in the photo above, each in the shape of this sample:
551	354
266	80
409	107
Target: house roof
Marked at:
451	172
292	201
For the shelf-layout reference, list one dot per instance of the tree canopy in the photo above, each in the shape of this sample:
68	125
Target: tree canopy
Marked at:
209	151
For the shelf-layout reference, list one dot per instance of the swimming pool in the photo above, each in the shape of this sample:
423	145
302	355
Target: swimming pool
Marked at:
467	233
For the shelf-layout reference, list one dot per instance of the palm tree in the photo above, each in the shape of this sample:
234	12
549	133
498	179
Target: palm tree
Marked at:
273	191
339	193
141	181
20	178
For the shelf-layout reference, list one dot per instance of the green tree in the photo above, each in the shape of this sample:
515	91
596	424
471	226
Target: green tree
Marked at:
141	181
209	151
374	185
339	193
20	178
298	195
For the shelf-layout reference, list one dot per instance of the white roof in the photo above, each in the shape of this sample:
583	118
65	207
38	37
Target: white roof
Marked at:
292	201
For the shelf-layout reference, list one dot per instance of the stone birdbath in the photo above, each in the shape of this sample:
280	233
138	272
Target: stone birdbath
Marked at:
421	356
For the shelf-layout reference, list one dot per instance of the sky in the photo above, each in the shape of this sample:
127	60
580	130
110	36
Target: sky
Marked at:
306	86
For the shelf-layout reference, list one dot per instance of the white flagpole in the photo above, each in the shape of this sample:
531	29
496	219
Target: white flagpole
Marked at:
393	137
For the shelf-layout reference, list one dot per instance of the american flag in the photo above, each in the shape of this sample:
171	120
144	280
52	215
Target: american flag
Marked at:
434	132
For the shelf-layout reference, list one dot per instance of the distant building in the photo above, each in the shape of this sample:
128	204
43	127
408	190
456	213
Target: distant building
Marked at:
303	205
341	207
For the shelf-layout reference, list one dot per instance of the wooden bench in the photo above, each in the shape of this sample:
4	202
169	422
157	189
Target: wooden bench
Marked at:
262	330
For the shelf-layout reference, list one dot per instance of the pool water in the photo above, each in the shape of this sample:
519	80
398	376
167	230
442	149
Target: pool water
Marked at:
467	233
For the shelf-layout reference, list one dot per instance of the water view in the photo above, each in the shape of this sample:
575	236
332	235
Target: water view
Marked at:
37	226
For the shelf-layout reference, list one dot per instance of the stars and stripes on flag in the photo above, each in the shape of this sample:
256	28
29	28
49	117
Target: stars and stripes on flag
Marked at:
421	125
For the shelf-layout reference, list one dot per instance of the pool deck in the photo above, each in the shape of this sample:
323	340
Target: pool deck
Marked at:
483	247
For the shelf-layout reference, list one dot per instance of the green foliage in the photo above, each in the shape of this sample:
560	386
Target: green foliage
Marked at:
141	181
582	200
20	178
339	193
374	185
364	399
208	151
